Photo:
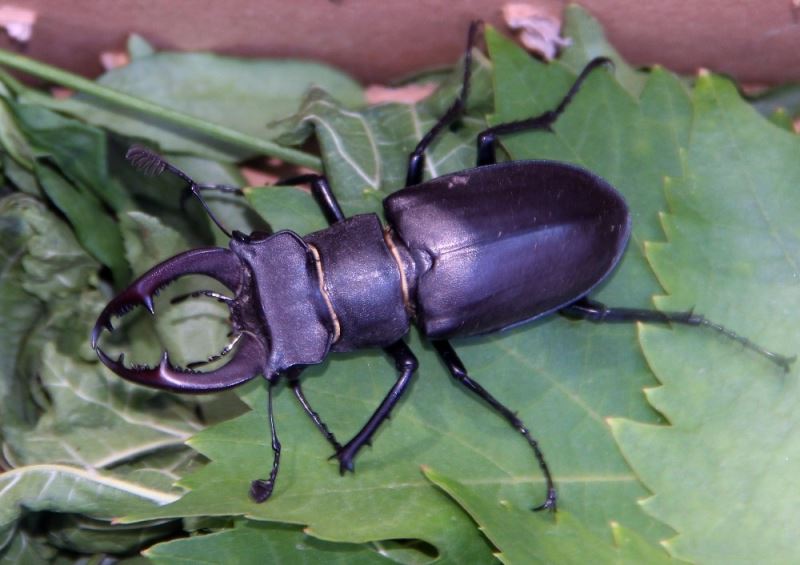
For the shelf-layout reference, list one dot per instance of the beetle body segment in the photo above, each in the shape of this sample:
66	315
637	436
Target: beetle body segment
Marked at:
363	282
336	289
503	244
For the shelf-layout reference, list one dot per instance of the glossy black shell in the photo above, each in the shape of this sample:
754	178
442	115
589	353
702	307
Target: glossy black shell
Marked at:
503	244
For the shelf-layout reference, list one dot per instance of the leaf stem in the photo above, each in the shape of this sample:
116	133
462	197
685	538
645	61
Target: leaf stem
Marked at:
80	84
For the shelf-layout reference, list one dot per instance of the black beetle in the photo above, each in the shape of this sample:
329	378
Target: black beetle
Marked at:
471	252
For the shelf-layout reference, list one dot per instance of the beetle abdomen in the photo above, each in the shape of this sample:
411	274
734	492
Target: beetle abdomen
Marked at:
503	244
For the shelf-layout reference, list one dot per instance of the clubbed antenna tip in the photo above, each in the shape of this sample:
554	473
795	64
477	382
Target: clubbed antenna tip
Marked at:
147	161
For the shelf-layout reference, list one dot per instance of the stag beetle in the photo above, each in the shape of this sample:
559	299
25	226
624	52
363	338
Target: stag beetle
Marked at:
472	252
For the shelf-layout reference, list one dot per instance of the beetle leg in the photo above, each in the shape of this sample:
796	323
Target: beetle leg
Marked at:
406	364
592	311
261	489
293	375
323	194
450	358
487	138
416	161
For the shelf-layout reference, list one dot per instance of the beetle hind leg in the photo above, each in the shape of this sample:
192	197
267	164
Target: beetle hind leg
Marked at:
488	137
592	311
416	161
450	358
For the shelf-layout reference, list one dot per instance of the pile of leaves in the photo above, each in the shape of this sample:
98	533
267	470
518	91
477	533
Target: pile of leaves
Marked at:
666	443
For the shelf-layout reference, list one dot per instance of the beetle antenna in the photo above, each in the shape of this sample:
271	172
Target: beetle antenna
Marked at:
153	164
260	489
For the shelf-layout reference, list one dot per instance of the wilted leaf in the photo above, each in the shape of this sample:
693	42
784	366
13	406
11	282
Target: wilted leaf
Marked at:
20	308
97	420
724	472
64	418
65	488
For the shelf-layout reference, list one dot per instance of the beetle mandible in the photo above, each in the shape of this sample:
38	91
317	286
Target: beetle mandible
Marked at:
468	253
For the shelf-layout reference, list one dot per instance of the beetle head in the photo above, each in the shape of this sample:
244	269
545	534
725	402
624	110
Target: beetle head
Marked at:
251	344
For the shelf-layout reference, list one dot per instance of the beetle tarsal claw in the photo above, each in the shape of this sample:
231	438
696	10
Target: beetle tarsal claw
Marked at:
261	489
550	502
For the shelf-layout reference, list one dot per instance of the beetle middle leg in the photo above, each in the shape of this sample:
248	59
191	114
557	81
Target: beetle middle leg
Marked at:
593	311
404	359
406	364
450	358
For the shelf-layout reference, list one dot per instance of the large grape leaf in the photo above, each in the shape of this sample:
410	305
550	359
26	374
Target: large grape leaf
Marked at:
724	472
563	377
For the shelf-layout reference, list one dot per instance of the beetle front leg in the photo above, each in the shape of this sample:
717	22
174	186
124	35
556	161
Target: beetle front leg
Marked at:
450	358
261	489
293	375
323	194
406	364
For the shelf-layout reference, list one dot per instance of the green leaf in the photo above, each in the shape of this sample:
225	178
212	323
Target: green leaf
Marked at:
289	207
77	149
25	549
366	152
66	488
241	94
589	41
45	273
310	491
76	533
68	160
724	472
522	537
20	308
66	416
138	46
95	420
95	229
256	543
577	374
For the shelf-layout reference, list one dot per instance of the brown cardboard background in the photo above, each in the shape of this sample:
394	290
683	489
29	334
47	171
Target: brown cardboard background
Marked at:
376	40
